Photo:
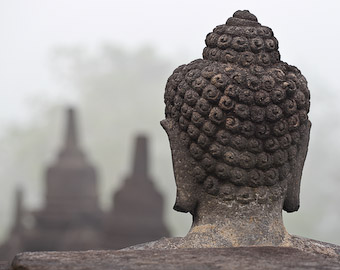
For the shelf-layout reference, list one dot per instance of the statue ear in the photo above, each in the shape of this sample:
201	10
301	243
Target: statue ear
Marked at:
292	199
187	189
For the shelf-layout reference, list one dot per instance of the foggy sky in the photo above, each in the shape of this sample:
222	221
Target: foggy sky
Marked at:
30	29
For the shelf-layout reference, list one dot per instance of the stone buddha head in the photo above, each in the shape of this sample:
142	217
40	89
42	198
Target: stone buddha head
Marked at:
237	122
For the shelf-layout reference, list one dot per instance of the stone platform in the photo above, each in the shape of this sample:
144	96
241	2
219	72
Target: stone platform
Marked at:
213	258
4	265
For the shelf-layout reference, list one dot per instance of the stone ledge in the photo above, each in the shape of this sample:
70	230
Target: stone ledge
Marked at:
213	258
4	265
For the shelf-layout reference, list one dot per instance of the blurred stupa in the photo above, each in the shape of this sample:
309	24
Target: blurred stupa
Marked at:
137	212
71	217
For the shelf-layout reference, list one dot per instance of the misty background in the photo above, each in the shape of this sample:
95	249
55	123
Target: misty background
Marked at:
111	60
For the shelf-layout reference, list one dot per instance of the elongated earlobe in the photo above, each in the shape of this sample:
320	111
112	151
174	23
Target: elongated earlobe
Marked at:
186	197
166	125
185	203
292	199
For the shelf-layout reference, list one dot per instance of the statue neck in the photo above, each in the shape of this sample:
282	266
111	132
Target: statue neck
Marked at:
234	224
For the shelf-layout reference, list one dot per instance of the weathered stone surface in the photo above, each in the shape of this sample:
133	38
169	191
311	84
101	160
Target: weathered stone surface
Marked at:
237	122
245	258
4	265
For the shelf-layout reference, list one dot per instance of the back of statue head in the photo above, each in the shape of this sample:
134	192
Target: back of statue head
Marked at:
237	120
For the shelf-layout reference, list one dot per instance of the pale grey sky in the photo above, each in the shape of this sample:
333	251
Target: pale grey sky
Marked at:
29	29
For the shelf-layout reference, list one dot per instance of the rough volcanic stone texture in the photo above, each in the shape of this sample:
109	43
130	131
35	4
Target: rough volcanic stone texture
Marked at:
219	258
242	117
4	265
237	122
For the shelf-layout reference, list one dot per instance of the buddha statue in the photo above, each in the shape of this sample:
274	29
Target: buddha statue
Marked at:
237	122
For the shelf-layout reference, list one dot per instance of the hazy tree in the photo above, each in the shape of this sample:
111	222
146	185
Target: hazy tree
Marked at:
118	94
